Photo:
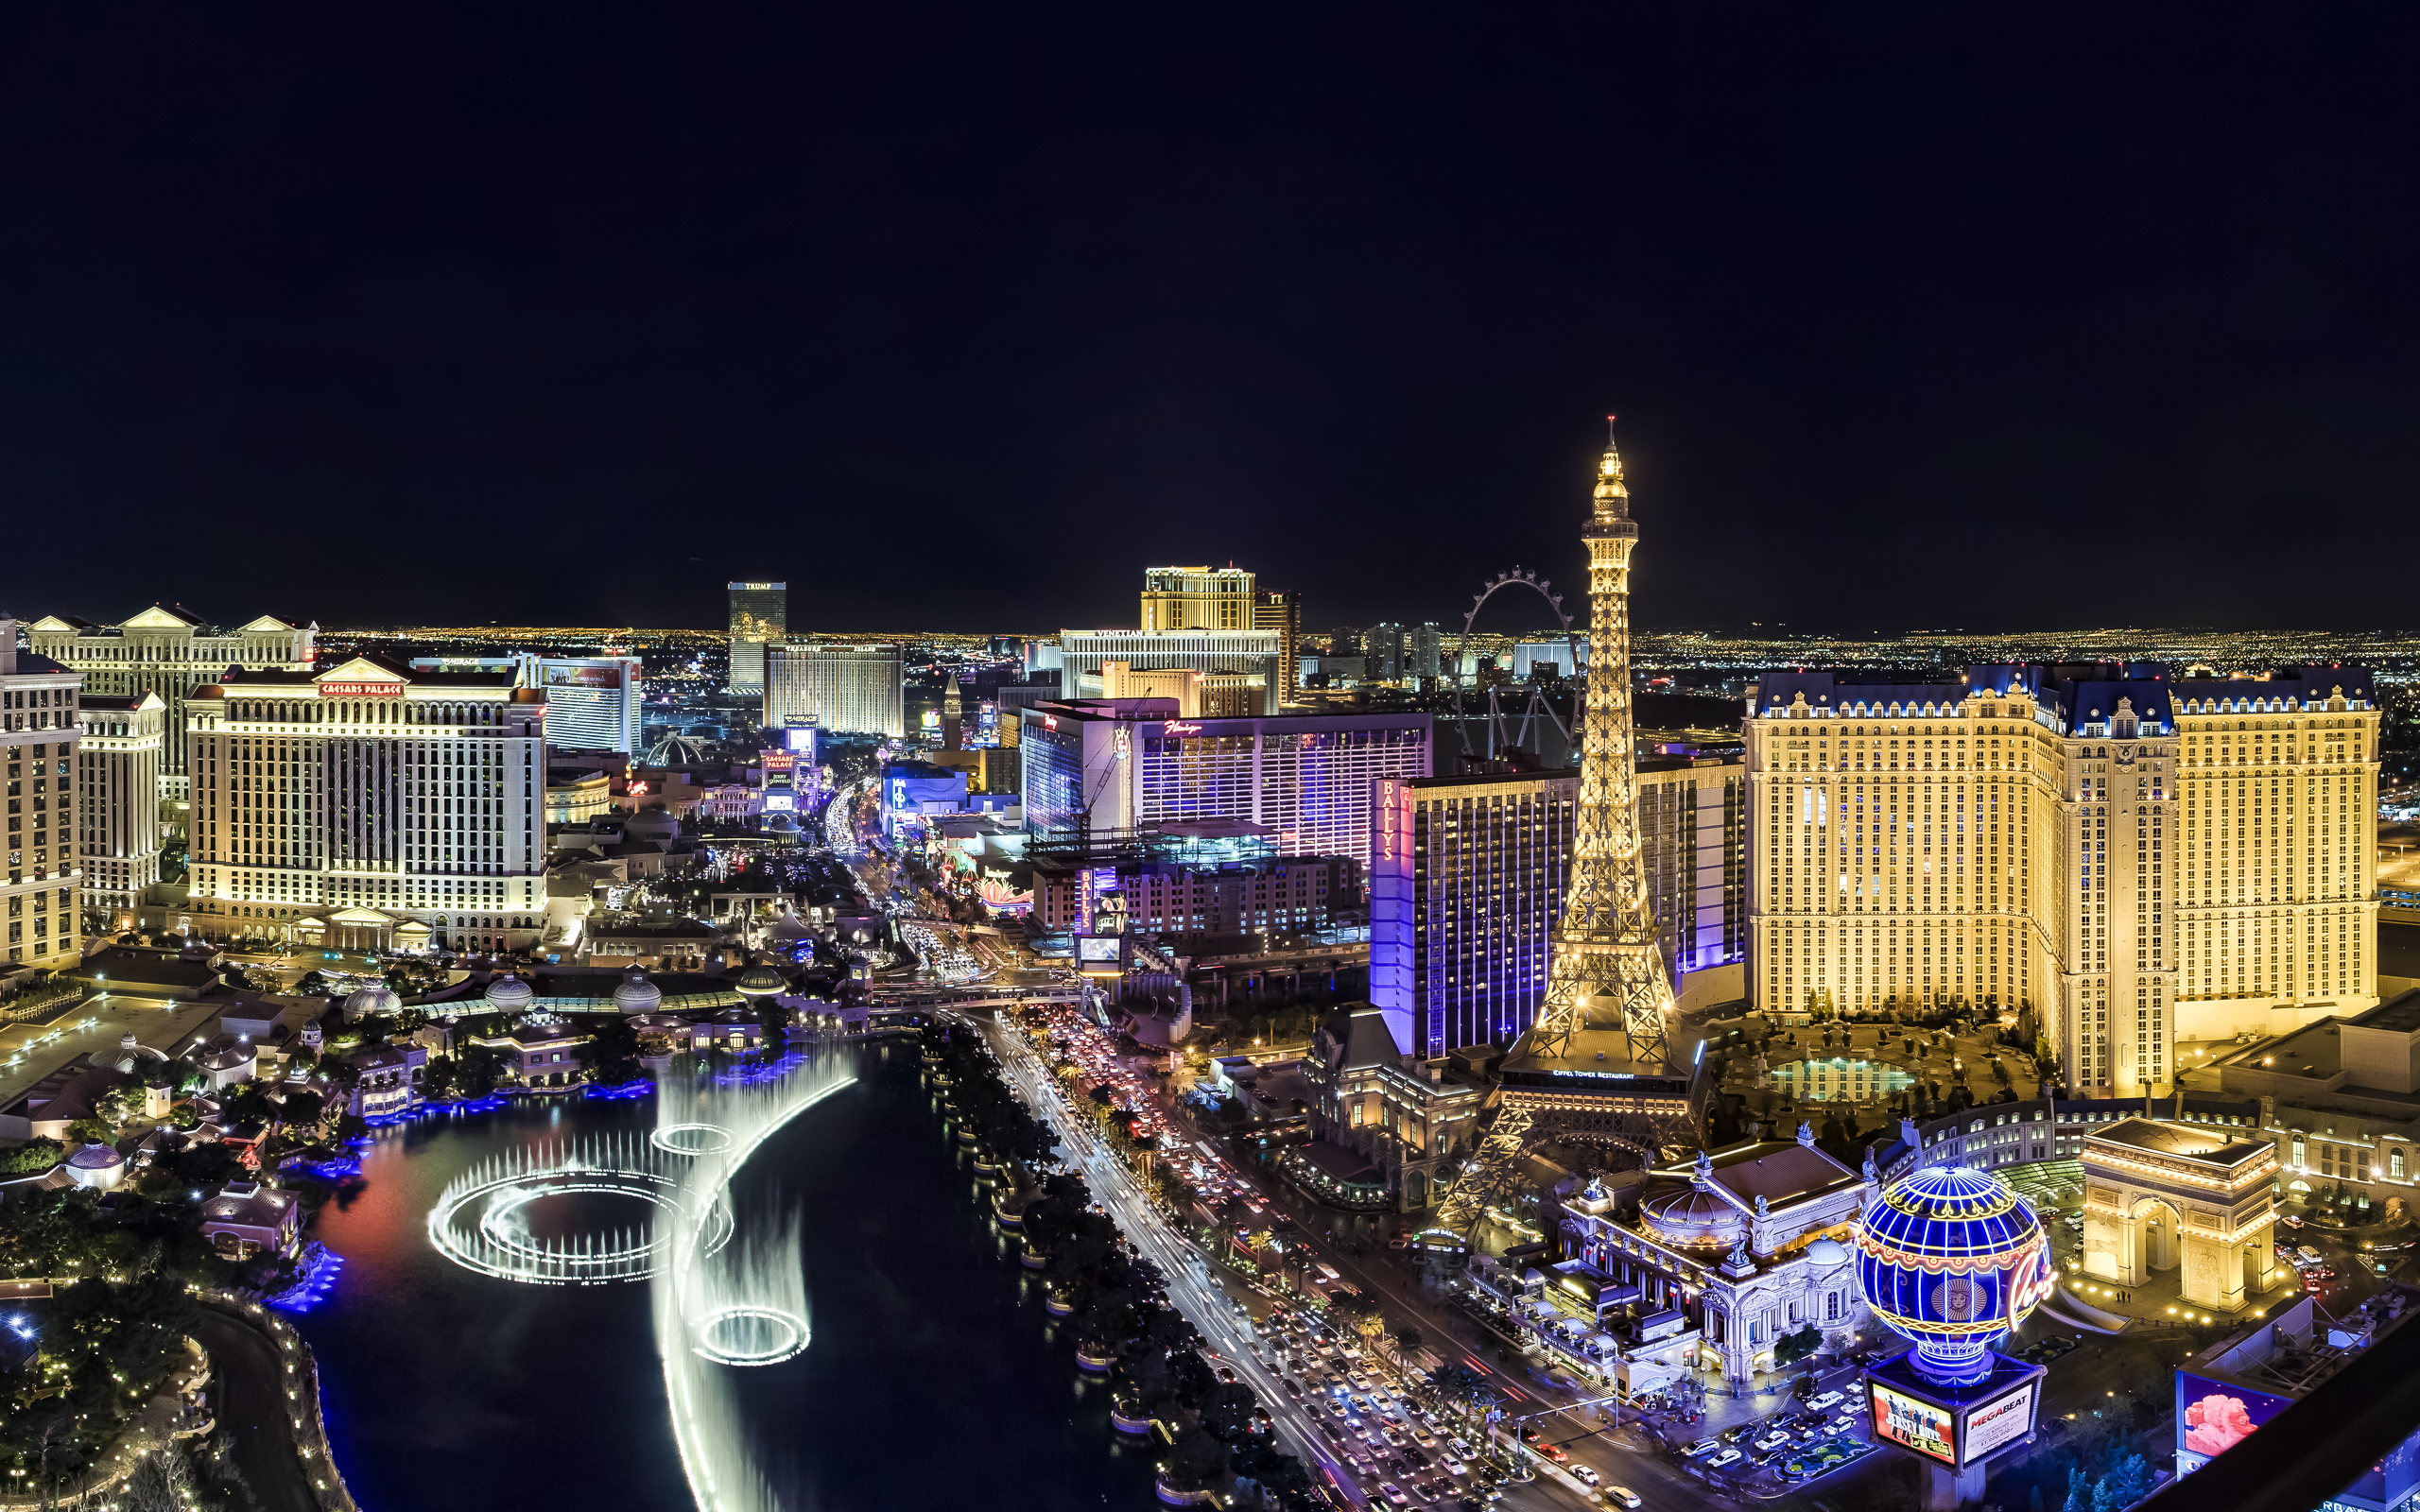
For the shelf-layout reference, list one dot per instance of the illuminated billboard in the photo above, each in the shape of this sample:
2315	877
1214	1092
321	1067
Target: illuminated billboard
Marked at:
1100	955
581	675
1912	1424
1996	1423
2212	1416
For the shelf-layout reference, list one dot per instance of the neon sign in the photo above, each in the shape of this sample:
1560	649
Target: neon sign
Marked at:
362	690
1173	728
1049	721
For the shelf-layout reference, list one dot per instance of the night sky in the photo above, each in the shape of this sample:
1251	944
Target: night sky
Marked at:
955	319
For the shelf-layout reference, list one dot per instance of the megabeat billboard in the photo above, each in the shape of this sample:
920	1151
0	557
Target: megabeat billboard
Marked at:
1999	1422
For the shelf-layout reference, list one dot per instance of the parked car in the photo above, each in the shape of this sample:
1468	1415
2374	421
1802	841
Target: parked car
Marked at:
1620	1496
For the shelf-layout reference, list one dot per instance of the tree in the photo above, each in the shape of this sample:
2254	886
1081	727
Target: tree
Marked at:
1791	1348
2129	1480
1194	1458
303	1109
120	1102
1407	1343
773	1016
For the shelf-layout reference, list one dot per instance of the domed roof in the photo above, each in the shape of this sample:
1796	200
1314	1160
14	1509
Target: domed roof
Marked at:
127	1058
759	980
510	994
1692	1215
378	998
226	1057
1952	1258
637	994
96	1157
1827	1252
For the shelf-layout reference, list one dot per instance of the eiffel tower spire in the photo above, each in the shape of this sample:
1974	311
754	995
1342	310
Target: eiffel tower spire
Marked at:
1604	969
1601	1024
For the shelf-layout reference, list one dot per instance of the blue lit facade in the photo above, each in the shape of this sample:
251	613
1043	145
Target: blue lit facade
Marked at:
1052	775
1467	876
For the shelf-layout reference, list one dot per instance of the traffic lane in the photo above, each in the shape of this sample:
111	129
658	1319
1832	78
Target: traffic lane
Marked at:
1614	1462
1212	1311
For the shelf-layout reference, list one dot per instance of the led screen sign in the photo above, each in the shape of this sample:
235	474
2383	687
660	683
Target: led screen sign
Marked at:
2212	1416
583	677
1912	1424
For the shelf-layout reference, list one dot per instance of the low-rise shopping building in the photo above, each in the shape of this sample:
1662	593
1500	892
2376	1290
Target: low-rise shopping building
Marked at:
1750	1243
1408	1120
391	1080
243	1220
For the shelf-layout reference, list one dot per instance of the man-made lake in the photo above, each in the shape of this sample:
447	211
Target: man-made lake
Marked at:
934	1378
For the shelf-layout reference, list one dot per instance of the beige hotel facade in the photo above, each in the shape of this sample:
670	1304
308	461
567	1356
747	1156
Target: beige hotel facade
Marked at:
2135	855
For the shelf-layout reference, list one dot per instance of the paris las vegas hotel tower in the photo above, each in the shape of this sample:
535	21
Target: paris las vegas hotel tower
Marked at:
2137	856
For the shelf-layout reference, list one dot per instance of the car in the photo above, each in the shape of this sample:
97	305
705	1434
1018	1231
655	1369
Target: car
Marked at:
1389	1434
1358	1378
1360	1403
1555	1452
1729	1456
1227	1373
1422	1436
1453	1466
1293	1389
1771	1442
1462	1449
1703	1446
1393	1494
1531	1435
1583	1474
1620	1496
1818	1404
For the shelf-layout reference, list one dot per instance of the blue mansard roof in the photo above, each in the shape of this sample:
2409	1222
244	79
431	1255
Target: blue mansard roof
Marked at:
2077	697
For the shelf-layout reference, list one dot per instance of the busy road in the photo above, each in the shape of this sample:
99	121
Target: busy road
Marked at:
1204	1303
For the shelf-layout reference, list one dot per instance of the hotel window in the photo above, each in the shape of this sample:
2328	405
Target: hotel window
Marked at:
2394	1165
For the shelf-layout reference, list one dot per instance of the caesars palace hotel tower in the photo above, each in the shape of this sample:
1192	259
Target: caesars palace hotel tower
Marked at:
2137	857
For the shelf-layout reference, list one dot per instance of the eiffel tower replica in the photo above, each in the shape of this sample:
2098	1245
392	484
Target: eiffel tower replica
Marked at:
1595	1067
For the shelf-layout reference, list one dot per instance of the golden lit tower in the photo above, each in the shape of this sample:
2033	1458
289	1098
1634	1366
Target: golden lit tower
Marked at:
1593	1067
1604	967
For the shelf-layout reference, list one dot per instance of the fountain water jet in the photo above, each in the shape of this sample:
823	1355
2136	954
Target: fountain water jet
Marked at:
739	1304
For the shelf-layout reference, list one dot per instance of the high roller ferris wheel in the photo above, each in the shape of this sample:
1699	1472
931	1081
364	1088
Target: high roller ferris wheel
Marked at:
1501	728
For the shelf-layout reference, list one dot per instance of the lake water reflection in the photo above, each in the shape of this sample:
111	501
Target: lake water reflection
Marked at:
1841	1080
933	1378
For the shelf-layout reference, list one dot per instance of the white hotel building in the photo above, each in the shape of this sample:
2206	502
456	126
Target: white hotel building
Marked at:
370	806
118	783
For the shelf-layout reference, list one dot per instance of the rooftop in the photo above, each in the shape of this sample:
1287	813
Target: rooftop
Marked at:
2183	1141
1779	1171
2399	1014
